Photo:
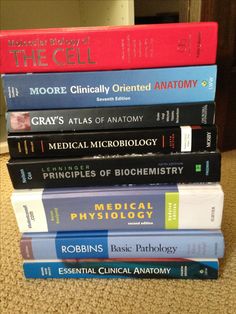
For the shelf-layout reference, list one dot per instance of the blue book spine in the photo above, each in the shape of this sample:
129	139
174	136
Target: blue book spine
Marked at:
179	269
110	88
103	244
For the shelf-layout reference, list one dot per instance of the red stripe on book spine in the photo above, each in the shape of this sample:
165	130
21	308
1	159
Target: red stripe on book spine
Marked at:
42	147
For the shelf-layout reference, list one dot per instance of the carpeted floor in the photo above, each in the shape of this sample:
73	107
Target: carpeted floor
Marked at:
117	296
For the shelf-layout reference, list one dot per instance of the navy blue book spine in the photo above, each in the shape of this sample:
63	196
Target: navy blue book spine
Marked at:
110	88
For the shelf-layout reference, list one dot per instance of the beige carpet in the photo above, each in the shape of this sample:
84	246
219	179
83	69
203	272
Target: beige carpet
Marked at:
117	296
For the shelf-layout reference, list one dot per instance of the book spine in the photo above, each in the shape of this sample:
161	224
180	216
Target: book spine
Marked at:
84	49
179	269
162	140
161	208
124	246
109	88
128	169
110	118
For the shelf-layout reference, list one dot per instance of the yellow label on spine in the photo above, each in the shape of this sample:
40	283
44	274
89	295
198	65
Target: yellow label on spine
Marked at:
172	210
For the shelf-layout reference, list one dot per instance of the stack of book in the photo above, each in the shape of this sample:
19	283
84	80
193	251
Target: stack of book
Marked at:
113	150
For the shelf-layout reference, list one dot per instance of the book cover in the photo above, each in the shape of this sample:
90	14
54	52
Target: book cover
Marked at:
80	144
107	47
115	170
109	118
123	244
149	207
124	268
109	88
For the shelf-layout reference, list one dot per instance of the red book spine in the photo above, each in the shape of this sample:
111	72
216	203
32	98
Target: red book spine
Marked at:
108	48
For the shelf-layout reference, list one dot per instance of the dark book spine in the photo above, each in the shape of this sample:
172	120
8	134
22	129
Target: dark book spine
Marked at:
105	171
107	118
158	140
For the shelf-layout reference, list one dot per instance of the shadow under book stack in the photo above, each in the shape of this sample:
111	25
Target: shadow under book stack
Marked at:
113	150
